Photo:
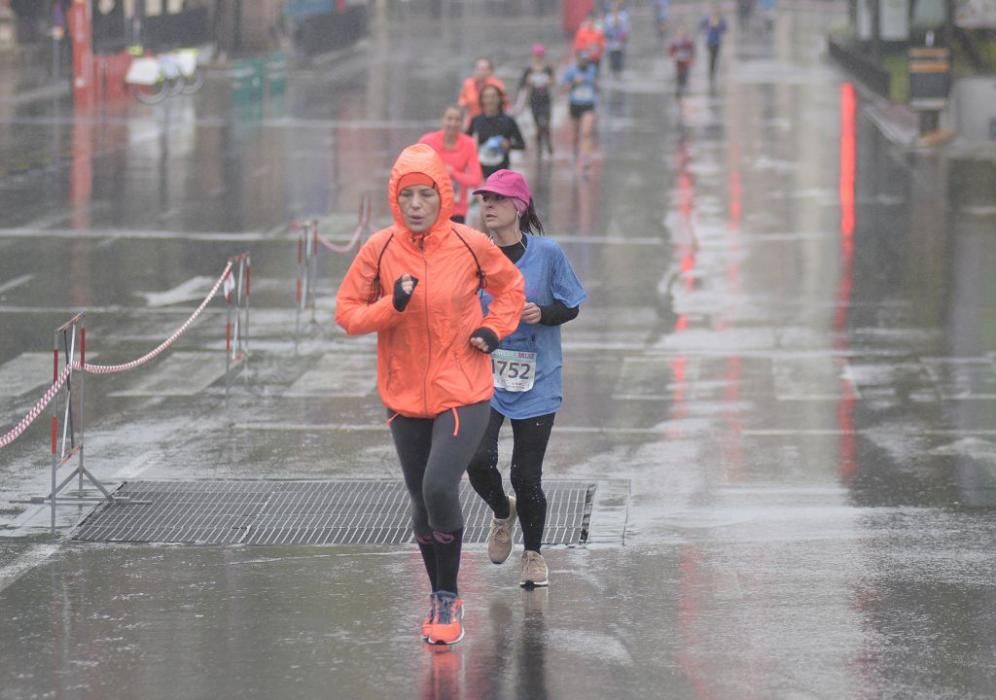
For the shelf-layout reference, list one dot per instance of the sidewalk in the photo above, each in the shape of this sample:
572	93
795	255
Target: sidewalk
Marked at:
26	75
20	84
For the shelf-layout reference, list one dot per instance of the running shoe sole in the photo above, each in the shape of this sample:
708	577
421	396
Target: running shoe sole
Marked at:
534	584
433	642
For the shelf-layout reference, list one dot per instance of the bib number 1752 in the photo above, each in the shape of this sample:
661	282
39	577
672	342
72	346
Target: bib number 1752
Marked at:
513	370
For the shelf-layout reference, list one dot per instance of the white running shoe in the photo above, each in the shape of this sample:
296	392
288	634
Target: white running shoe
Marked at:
534	572
500	535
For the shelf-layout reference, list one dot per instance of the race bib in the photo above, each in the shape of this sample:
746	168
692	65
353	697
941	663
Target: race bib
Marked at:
513	370
583	93
540	80
490	156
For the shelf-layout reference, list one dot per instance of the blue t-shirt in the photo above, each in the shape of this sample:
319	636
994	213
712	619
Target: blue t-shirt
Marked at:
549	277
585	92
714	32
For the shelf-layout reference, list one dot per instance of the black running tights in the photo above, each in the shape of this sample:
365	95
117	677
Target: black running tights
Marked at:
529	440
434	453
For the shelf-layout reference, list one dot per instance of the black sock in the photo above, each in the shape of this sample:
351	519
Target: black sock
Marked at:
531	506
427	547
507	509
447	546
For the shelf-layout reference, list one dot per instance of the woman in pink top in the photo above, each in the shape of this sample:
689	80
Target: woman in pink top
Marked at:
459	152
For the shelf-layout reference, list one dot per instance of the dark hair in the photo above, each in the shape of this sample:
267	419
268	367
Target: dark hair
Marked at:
529	222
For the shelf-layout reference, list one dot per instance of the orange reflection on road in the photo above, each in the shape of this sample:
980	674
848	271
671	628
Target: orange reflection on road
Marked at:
848	107
848	169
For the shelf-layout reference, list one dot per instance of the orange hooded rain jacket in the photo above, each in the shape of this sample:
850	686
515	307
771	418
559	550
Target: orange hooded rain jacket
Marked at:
425	362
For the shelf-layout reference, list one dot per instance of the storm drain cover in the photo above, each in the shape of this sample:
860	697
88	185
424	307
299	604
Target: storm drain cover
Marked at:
304	512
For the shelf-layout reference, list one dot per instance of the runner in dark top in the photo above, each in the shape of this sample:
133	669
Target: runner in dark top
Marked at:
496	132
535	86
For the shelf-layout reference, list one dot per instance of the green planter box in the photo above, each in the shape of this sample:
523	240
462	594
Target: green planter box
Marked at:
276	72
247	79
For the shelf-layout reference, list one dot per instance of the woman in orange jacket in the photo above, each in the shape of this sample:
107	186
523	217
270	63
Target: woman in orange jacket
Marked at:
590	39
416	285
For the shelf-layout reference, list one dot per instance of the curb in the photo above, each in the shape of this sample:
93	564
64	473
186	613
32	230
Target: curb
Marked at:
45	92
893	130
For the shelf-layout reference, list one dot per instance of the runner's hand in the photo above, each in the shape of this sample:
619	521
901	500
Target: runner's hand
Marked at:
531	313
403	288
484	339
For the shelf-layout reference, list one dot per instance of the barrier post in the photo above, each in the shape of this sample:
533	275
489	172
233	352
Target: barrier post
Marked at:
313	270
307	270
237	288
310	241
70	342
304	289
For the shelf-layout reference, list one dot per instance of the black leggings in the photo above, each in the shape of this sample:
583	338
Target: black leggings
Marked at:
434	453
433	459
713	59
529	440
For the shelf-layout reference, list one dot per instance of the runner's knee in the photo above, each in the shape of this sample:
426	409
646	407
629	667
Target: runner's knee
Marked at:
485	459
442	503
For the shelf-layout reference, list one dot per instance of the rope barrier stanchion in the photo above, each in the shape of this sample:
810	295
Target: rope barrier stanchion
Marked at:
312	251
307	270
309	243
237	291
71	336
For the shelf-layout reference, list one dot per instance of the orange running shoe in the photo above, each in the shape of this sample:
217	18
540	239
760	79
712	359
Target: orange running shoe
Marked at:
428	620
446	627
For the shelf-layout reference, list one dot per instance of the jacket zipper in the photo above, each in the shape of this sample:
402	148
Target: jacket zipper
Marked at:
428	332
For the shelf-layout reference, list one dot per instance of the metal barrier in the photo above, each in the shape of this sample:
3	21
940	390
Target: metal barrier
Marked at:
72	335
309	240
307	269
70	341
237	292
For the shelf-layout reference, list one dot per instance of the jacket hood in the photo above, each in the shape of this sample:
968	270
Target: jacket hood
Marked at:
422	158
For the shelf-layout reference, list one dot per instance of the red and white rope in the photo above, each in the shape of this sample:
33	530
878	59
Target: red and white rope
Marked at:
35	411
111	369
361	226
335	248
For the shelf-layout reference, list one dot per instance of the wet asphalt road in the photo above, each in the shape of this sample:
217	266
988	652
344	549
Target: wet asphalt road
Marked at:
787	357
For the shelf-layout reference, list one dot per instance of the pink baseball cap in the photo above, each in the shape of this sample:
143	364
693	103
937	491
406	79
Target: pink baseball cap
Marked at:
507	183
539	49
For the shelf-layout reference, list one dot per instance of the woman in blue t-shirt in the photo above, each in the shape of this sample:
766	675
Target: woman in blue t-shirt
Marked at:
581	82
526	370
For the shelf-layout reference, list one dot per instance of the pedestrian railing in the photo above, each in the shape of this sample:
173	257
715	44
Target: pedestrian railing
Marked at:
69	368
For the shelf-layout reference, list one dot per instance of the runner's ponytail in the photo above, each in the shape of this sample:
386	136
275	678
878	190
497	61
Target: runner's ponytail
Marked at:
529	222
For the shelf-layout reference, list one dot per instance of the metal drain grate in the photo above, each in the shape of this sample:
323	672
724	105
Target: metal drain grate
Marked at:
304	512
